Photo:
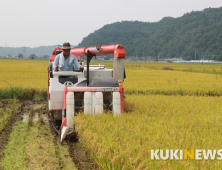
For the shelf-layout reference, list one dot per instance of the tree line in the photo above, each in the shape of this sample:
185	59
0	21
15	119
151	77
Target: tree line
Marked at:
32	56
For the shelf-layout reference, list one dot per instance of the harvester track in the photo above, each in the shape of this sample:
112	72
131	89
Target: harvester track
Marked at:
4	135
79	155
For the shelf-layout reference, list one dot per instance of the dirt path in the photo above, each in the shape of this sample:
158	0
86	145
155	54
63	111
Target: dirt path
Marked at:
77	153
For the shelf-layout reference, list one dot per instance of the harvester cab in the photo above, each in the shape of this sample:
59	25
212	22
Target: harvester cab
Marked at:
93	90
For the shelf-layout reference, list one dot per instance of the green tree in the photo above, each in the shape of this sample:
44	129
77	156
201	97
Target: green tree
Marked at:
46	57
33	57
108	57
20	55
219	57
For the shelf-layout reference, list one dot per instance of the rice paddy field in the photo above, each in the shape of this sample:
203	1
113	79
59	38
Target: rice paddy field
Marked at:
164	109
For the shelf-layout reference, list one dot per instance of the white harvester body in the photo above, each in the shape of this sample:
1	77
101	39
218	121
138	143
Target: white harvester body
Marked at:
92	90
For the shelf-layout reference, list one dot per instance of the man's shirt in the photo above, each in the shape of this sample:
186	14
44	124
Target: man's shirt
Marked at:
67	64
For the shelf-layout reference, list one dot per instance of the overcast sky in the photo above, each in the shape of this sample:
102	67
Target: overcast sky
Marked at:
33	23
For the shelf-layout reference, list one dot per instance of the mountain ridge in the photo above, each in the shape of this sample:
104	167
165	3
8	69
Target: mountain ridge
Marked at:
198	31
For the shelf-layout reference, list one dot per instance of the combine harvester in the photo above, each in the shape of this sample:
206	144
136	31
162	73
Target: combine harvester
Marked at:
92	90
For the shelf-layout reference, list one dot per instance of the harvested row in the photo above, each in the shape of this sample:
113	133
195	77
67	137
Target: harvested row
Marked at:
31	144
7	120
6	114
35	149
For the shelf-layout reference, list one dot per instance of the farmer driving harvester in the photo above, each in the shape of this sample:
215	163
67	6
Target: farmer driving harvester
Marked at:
65	60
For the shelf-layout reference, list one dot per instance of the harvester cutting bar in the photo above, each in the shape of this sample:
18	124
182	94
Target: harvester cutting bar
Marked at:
91	89
94	89
93	104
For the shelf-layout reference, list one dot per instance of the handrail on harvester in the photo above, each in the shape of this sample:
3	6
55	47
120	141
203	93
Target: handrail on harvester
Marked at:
116	49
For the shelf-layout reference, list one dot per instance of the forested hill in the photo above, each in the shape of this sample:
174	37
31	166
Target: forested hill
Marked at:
170	37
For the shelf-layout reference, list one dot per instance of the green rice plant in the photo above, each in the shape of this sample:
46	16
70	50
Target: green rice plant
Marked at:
22	106
40	120
13	106
23	93
40	95
30	120
3	107
180	91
